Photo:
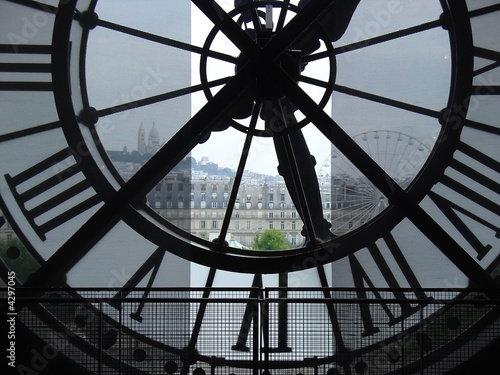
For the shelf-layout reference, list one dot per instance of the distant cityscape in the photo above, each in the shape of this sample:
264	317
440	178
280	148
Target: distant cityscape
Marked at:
195	195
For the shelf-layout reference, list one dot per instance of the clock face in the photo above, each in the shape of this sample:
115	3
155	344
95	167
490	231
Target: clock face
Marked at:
401	98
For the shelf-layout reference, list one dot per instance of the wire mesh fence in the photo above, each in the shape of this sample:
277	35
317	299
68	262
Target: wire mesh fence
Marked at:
260	330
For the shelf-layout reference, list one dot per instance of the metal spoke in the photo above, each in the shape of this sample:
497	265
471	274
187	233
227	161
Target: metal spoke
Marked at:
384	100
29	131
165	41
314	81
239	172
388	37
161	97
282	17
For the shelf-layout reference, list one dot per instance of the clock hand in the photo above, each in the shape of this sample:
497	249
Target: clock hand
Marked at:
335	21
279	40
296	165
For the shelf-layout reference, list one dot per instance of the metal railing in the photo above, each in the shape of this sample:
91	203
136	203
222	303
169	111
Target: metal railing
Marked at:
257	330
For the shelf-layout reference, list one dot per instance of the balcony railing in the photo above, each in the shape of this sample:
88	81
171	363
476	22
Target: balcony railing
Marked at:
253	330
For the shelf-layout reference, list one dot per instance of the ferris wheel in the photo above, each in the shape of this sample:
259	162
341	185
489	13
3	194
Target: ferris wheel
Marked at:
354	200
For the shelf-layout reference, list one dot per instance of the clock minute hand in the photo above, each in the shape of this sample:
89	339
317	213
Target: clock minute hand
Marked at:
296	165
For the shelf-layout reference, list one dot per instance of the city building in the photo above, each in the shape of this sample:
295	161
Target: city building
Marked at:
7	233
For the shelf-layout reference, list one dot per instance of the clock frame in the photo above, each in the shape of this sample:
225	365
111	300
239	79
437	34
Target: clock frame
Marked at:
92	196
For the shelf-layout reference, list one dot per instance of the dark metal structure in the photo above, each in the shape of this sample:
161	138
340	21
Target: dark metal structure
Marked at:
79	221
254	331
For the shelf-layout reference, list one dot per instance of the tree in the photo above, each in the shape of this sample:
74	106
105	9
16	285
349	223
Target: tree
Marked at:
271	239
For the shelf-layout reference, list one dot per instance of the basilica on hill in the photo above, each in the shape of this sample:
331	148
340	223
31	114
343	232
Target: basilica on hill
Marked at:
152	143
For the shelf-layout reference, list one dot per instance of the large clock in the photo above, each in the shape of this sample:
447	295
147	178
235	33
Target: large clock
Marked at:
402	95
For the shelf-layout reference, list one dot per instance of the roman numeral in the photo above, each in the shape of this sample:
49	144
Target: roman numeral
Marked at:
249	315
487	54
52	192
31	67
470	201
362	281
152	264
486	86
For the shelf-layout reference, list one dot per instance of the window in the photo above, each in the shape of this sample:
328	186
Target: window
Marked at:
248	205
282	225
294	239
203	196
203	224
214	204
271	225
169	187
203	187
282	214
236	225
294	215
191	196
214	224
294	225
270	215
203	204
249	225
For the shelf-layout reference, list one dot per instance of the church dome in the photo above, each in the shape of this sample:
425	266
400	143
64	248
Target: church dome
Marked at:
154	136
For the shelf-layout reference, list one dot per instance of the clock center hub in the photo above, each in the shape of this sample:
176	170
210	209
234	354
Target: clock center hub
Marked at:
290	61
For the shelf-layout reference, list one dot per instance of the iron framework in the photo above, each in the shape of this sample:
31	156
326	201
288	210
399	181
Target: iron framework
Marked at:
257	330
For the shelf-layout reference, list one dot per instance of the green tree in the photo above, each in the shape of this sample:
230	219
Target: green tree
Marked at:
271	239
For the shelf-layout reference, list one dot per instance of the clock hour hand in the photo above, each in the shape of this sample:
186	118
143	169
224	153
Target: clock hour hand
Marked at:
334	22
296	165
